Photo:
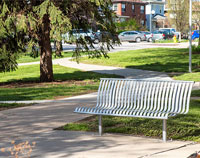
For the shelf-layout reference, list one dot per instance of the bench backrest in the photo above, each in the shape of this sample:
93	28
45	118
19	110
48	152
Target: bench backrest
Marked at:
155	95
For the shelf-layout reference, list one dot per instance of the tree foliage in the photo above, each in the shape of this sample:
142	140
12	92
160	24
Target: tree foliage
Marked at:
26	25
128	25
179	14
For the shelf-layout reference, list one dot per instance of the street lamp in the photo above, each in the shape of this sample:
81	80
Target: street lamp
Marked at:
152	13
190	37
150	20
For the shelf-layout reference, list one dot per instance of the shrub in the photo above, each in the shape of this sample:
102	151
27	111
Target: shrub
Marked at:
127	25
196	49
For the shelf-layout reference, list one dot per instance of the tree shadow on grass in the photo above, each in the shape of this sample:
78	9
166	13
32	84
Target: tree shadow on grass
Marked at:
75	75
65	84
161	67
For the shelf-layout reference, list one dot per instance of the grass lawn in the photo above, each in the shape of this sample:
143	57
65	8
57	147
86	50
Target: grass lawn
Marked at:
181	127
169	41
27	58
6	106
23	84
156	59
188	76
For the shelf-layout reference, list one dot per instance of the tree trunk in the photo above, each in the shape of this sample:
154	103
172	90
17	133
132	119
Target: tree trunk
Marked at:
46	69
59	48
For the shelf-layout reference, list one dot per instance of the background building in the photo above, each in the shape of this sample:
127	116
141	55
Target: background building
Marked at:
155	14
127	9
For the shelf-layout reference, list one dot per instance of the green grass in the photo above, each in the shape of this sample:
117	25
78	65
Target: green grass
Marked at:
181	127
188	77
25	58
51	91
31	73
169	41
157	59
23	84
195	93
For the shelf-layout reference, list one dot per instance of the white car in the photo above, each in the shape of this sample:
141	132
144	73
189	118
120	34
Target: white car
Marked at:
78	34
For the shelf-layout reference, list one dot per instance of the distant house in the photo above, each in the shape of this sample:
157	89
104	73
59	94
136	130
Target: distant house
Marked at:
155	15
127	9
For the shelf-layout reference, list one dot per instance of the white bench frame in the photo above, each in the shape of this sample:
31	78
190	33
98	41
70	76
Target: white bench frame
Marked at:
155	99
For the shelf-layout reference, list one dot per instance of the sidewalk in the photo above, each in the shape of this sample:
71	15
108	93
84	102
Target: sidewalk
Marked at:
36	123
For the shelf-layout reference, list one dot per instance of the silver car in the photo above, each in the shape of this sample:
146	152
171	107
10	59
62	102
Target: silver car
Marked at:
131	36
158	35
148	35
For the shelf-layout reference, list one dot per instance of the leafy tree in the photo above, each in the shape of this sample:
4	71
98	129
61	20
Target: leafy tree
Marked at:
26	25
179	14
128	25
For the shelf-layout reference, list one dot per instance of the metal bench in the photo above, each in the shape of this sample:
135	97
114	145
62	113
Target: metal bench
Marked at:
156	99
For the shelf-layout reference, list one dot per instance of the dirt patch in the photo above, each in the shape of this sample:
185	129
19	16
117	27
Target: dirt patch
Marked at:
172	74
88	119
12	106
63	97
39	84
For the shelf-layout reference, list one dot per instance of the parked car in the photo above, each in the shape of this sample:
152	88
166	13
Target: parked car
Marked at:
102	36
80	33
170	32
158	35
132	36
148	35
195	34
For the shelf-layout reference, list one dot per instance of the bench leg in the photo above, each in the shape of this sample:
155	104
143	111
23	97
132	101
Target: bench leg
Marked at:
164	130
100	125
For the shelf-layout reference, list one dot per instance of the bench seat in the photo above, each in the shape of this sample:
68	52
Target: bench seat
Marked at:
156	99
127	112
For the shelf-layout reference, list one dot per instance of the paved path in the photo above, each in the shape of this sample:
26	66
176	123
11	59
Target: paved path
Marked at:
36	123
126	72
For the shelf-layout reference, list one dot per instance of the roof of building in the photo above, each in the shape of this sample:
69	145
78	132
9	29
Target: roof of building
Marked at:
159	16
155	1
135	1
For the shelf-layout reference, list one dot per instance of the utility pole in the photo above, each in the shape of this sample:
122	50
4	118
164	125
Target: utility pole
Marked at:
150	19
190	36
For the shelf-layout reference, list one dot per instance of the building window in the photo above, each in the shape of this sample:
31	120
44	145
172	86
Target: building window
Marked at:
142	9
123	7
133	7
115	7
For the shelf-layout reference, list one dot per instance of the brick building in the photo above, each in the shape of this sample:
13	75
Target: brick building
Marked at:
126	9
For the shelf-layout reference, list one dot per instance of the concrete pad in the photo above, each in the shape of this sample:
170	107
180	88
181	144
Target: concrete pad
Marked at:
184	152
36	123
61	144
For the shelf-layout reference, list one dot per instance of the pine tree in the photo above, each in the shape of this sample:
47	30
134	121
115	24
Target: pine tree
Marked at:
26	25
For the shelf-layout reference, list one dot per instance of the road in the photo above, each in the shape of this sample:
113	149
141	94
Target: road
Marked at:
134	46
